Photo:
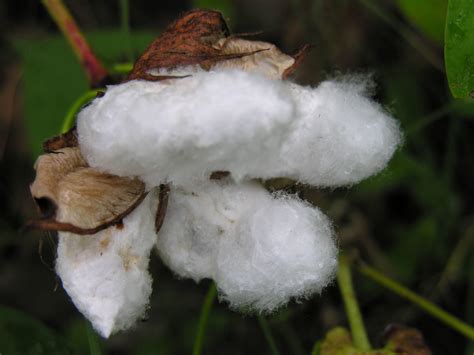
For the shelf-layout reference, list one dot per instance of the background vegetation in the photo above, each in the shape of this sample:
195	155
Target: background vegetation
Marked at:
414	222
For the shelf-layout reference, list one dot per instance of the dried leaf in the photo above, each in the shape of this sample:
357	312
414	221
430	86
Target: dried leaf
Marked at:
74	197
201	37
405	340
267	58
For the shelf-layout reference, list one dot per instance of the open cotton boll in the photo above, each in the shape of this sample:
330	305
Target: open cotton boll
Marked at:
340	136
182	130
261	250
282	249
106	274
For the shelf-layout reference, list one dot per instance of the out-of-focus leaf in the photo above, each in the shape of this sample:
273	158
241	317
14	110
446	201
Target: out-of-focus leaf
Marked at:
22	335
53	78
459	48
428	15
415	245
224	6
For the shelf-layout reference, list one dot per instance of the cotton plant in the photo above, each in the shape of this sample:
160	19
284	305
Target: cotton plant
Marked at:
172	159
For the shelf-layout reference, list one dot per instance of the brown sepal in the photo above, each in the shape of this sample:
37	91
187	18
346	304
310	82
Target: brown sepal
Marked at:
162	206
65	140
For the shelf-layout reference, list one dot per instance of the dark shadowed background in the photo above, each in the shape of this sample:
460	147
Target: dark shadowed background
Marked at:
413	222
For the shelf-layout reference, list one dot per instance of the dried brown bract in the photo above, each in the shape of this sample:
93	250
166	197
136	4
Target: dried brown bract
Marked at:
73	197
201	37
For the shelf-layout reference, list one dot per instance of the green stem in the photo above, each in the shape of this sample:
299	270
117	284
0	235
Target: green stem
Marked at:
68	121
359	335
94	345
125	25
122	68
268	335
406	33
421	302
205	311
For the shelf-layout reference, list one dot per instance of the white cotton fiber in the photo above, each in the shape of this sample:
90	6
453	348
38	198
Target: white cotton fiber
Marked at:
182	130
261	250
340	137
106	274
282	249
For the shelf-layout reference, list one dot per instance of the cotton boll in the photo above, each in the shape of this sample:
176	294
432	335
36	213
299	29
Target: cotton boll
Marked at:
282	249
106	274
261	250
340	137
182	130
197	219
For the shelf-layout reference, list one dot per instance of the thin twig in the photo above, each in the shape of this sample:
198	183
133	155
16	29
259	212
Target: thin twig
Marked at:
421	302
359	335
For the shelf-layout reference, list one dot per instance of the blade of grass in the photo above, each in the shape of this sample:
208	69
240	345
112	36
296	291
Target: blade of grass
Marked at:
344	280
205	311
268	335
421	302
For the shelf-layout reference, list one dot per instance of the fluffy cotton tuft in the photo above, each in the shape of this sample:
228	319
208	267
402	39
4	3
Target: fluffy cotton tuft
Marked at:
106	274
228	120
341	136
183	130
260	249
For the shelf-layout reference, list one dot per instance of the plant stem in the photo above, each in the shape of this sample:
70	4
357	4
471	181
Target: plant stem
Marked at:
122	68
94	345
268	335
407	34
359	335
125	25
421	302
95	71
68	121
205	311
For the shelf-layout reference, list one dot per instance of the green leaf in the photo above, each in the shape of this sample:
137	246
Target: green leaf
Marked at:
459	48
428	15
22	334
53	78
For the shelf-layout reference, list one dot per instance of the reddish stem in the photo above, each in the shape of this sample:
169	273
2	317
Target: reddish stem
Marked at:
95	71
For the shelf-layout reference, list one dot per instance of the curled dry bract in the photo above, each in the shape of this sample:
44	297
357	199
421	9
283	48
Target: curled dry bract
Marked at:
76	198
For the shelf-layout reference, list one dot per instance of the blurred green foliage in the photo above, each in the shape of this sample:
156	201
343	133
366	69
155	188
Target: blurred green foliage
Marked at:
22	334
428	15
459	48
53	78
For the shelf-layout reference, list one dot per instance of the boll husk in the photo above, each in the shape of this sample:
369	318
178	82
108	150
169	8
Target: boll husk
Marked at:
202	104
